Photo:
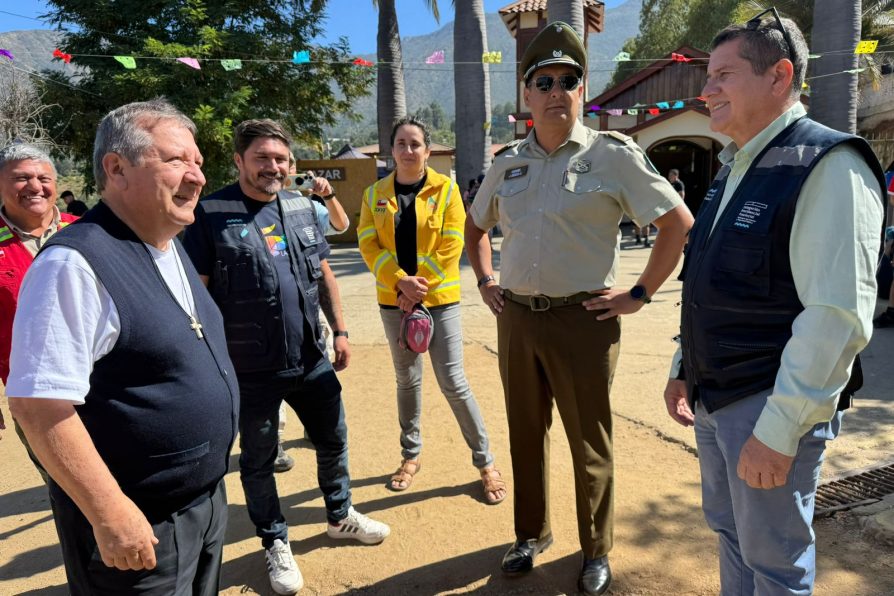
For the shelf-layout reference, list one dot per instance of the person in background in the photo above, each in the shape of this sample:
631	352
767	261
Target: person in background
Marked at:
28	218
673	176
332	219
73	205
411	238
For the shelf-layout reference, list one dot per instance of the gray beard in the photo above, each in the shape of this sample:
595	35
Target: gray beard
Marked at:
270	188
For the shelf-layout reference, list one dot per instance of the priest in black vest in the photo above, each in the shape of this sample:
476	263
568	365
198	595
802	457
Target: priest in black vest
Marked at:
778	298
120	372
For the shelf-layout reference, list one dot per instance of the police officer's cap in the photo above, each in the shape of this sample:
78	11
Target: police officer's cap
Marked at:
557	43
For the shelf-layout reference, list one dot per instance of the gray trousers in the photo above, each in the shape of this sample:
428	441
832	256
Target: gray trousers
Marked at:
446	352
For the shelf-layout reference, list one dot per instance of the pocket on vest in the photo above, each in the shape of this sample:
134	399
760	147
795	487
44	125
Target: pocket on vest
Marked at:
177	458
235	272
742	271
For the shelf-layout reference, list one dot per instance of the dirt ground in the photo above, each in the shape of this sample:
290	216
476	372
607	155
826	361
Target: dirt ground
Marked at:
445	539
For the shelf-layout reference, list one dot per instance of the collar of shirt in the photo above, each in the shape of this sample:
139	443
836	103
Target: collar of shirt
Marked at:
23	235
577	135
740	159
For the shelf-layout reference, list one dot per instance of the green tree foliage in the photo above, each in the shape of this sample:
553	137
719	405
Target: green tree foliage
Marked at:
433	115
262	33
501	130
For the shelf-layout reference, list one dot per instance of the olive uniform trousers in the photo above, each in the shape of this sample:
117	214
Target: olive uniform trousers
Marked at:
565	354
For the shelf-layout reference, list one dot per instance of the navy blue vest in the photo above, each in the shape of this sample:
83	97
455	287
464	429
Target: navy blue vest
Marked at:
739	296
245	285
162	408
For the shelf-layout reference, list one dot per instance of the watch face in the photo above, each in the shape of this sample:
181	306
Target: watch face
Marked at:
638	292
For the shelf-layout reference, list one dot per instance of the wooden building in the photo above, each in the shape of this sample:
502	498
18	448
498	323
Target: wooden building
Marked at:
642	106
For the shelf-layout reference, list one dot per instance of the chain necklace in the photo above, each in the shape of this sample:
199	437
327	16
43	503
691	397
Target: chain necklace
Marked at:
185	291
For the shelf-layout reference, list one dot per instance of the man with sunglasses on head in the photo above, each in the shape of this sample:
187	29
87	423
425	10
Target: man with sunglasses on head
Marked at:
559	196
778	298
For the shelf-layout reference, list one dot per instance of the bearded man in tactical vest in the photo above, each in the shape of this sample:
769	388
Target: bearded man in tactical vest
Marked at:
263	256
778	298
120	376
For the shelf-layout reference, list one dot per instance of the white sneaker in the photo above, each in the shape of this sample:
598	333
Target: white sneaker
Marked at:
359	527
285	577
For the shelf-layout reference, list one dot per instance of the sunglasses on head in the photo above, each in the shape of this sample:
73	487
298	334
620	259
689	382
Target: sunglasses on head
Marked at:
755	23
568	82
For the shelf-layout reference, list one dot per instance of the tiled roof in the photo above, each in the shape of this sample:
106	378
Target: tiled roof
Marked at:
534	5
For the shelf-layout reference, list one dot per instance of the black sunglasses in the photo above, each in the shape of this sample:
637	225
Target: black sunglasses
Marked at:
568	82
755	23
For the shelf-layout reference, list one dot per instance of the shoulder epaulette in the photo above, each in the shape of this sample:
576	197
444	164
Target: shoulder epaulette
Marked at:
508	146
618	136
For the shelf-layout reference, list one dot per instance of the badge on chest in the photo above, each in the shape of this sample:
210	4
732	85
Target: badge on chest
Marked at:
513	173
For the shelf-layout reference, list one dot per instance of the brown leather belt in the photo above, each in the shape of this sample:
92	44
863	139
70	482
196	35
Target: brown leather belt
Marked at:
540	303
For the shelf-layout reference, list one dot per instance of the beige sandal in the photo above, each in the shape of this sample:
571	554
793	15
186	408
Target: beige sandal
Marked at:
493	483
404	474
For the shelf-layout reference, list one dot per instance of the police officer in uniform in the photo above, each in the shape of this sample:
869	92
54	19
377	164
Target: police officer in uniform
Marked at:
778	296
558	196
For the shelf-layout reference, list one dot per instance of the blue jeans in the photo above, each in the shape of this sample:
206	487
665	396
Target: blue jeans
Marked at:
767	544
316	398
446	351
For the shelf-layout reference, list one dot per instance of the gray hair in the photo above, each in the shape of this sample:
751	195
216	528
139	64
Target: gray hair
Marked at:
125	131
23	151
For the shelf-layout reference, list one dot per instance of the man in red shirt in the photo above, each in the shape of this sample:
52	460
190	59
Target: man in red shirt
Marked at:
28	218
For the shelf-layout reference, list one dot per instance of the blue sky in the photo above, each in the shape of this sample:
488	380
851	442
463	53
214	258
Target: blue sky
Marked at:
360	27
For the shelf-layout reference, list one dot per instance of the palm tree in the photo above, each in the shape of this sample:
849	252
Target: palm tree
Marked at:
569	11
391	98
833	100
471	84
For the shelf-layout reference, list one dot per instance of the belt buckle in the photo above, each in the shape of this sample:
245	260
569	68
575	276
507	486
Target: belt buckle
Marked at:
539	303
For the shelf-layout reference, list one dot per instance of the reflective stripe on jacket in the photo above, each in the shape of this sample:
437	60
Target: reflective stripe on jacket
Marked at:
440	219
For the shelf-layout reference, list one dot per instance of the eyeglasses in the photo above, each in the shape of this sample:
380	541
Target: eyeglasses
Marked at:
568	82
755	23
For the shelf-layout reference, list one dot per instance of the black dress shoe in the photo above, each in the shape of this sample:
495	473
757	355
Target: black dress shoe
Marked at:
595	576
520	557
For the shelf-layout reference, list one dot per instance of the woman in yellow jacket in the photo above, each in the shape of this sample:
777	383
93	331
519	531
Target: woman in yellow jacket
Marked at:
411	238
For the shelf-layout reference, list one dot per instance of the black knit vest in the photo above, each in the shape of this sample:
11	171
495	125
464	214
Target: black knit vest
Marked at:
162	408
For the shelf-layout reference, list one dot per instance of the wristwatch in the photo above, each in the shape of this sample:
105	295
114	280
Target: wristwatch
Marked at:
329	197
486	279
639	293
339	334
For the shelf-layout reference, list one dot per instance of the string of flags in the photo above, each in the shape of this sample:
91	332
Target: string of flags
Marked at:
866	47
651	109
57	53
437	57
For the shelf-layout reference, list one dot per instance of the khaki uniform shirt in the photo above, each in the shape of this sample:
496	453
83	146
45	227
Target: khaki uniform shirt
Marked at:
559	212
32	243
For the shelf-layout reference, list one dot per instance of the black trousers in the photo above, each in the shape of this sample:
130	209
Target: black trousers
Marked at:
189	551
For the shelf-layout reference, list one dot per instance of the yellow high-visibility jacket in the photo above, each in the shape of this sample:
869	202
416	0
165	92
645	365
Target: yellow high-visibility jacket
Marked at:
440	220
